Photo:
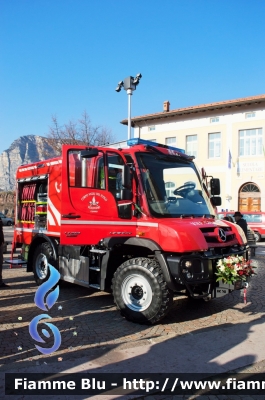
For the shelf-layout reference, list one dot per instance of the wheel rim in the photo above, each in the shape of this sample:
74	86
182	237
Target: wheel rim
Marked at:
42	266
136	292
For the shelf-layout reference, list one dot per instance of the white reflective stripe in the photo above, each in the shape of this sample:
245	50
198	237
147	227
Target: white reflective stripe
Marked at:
56	213
155	224
43	165
78	222
37	231
54	162
27	169
75	222
51	219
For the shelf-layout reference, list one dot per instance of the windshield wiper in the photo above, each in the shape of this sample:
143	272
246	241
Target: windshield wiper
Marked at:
196	216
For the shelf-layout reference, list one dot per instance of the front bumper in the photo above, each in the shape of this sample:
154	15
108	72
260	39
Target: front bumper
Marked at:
196	272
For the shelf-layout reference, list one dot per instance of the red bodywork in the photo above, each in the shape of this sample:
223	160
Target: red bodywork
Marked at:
84	215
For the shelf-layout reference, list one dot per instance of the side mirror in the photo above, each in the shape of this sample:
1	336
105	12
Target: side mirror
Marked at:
89	153
126	194
125	209
216	201
127	178
215	186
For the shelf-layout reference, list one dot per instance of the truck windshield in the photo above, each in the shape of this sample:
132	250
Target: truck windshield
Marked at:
173	188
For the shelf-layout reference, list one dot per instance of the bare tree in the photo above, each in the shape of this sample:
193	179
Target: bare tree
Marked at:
80	132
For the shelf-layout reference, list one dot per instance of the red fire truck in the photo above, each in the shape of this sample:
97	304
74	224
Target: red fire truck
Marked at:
139	221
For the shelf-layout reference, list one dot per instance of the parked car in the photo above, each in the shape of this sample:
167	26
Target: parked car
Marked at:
255	221
6	220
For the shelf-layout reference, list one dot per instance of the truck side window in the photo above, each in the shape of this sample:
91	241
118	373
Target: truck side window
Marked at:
100	174
129	158
86	172
115	173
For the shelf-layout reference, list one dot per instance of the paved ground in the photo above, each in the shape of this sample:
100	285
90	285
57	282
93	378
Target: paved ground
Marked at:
89	320
92	329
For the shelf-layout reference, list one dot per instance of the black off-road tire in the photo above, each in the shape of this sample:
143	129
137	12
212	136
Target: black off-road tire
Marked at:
140	291
43	256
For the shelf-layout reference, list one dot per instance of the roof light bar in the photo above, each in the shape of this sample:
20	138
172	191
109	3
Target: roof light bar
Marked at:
135	141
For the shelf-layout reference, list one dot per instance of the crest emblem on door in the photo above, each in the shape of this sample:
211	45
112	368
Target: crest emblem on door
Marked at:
93	204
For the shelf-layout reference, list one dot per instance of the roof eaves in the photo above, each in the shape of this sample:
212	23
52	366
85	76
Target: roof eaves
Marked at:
200	108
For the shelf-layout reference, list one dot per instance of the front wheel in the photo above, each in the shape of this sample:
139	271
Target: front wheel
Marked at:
43	256
140	292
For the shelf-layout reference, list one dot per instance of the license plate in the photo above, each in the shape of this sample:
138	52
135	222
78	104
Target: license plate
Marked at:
221	292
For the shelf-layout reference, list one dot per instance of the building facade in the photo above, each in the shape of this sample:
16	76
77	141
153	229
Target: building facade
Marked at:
226	138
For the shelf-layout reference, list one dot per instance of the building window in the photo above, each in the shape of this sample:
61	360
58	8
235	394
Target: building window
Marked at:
250	142
191	145
214	119
250	115
250	187
214	145
171	140
151	128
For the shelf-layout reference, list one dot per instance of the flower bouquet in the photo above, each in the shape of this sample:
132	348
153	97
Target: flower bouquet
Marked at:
234	268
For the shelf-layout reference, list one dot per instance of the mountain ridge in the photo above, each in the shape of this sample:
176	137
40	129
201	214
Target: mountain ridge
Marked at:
24	150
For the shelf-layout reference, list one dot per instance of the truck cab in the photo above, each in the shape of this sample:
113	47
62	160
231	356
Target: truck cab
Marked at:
138	221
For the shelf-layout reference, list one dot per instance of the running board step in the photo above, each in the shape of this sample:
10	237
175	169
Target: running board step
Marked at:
98	251
16	261
95	286
94	268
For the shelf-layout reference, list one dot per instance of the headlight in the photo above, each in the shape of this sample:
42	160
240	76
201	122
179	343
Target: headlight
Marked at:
194	268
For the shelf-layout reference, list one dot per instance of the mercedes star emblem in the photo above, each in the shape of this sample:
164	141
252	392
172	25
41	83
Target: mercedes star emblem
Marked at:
222	234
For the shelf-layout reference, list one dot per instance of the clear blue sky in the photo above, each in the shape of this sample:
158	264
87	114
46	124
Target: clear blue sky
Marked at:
61	57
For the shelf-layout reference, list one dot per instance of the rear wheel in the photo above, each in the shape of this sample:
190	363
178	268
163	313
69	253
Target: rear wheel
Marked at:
257	236
43	256
140	292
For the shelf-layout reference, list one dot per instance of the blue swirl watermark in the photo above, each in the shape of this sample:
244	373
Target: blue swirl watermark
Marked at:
46	293
45	288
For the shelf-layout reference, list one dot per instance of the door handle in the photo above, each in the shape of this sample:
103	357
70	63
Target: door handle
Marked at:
72	216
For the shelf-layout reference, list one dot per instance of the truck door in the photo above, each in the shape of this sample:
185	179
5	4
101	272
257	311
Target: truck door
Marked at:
91	195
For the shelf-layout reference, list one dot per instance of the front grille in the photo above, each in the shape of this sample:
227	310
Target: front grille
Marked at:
211	235
212	239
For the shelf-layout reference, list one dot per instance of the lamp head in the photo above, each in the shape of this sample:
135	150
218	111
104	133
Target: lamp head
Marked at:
120	85
137	79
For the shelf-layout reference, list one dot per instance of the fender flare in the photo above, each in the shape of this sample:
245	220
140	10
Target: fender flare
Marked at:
38	239
111	242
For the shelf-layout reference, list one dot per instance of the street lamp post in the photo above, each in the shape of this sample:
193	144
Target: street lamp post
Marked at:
129	84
